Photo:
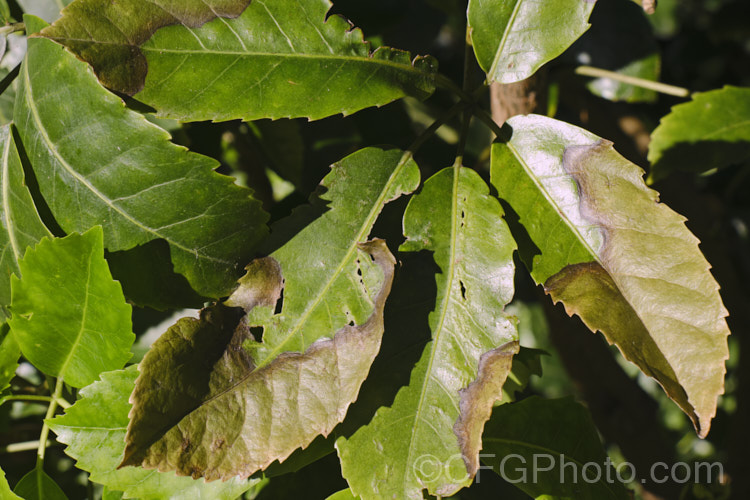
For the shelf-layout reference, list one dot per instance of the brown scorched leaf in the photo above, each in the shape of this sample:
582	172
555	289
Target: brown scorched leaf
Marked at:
217	398
603	245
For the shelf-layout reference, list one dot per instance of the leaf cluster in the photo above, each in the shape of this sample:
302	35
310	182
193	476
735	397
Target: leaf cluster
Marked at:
360	232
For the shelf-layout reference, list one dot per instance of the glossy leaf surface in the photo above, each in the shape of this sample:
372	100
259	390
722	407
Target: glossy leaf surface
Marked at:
600	242
21	225
514	38
441	413
69	317
95	31
277	59
229	403
100	163
711	131
559	437
94	430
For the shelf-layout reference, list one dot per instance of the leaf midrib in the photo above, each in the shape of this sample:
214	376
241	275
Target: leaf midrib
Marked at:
365	229
504	39
551	200
42	131
369	58
84	312
439	326
574	230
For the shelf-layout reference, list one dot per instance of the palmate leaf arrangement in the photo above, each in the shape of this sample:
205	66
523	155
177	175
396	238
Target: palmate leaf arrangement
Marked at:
282	349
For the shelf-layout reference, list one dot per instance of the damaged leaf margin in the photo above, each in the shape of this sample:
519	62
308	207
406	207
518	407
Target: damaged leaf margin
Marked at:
650	291
477	401
247	418
116	57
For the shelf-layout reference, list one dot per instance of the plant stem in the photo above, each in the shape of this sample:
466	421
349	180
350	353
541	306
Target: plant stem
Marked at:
502	133
24	446
22	397
466	86
56	397
633	80
430	131
11	28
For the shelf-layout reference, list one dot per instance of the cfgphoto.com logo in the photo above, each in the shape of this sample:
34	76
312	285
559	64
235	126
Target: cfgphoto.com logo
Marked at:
545	467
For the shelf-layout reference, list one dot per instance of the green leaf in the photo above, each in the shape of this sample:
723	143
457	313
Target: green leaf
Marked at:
5	491
710	131
94	430
559	436
69	317
108	494
600	242
343	495
14	54
9	354
95	31
514	38
21	225
215	401
37	485
5	16
621	39
440	415
285	57
100	163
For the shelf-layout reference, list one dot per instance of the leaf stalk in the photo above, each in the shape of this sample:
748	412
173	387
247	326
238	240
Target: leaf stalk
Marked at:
56	397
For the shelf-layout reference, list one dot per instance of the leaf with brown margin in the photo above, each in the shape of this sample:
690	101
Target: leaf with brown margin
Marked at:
441	413
214	401
108	35
239	419
277	59
623	262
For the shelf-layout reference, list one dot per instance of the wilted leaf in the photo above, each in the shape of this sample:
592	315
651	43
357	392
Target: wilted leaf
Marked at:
602	244
536	442
214	401
286	58
68	315
711	131
94	430
100	163
514	38
621	39
441	413
37	485
21	225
